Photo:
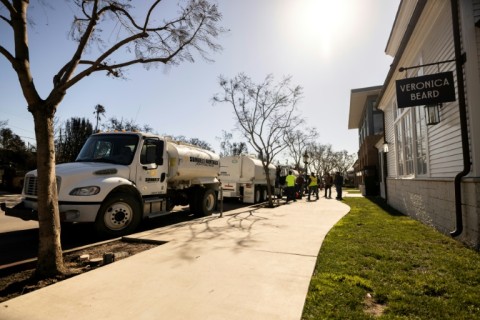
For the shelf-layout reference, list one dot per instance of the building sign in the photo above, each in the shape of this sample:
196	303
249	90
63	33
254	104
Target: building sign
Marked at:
429	89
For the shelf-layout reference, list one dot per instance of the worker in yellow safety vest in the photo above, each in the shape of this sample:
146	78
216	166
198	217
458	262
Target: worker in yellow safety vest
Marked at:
313	185
290	189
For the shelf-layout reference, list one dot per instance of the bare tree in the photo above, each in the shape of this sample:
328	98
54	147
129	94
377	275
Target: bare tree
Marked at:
322	158
343	161
264	113
148	40
297	142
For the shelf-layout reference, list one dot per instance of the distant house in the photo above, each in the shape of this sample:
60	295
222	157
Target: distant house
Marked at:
433	158
368	119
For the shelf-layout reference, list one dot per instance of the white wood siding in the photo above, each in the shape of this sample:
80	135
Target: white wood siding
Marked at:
389	136
444	139
470	15
432	41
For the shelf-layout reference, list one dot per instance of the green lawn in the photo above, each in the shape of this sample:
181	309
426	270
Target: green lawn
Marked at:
376	263
351	190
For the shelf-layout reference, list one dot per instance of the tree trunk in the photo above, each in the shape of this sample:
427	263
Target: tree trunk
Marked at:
50	259
269	185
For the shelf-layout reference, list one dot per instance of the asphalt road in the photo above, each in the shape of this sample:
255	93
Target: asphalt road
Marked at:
19	239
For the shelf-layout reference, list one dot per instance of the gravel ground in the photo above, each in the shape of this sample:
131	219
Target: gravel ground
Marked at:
18	282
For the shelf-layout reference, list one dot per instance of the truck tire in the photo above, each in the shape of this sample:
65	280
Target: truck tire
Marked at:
170	204
257	195
264	194
193	201
119	215
207	202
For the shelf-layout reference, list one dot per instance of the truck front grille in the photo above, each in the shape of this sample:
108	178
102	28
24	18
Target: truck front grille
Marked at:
31	188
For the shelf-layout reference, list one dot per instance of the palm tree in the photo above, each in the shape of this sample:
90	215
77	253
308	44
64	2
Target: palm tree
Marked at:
99	111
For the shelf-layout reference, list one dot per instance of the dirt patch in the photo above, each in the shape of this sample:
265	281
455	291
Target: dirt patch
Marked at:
373	308
18	282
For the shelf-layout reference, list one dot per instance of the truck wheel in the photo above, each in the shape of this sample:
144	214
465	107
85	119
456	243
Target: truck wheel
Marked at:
264	194
258	194
170	204
119	215
193	202
207	202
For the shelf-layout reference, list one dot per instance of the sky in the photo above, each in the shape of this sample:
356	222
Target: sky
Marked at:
327	47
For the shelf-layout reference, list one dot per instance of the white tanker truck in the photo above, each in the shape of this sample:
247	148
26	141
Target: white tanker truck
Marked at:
120	178
244	177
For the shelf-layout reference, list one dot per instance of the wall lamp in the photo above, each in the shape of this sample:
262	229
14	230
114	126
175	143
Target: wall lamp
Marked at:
385	147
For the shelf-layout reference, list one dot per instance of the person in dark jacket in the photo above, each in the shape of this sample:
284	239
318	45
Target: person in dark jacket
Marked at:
338	181
328	185
299	182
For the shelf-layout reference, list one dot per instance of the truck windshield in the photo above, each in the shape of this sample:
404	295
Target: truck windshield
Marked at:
111	148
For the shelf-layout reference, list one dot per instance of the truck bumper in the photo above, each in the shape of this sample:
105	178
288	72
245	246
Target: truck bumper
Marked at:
68	212
20	211
79	212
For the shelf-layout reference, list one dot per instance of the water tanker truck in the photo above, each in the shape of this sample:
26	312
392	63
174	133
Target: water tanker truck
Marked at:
244	177
120	178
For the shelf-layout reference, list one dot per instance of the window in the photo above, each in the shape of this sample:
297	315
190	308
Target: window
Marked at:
421	141
408	143
411	141
411	136
399	148
110	148
152	151
377	122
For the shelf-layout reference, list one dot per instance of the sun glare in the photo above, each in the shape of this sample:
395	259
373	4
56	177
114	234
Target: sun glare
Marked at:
319	23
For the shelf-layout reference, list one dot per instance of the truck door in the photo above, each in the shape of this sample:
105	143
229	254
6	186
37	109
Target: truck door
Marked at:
152	168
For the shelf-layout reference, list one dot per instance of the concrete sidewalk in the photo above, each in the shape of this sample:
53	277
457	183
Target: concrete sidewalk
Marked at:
248	264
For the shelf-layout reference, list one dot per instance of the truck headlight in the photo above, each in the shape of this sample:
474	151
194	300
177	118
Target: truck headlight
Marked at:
85	191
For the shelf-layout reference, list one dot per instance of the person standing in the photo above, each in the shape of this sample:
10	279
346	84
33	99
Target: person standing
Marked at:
290	181
328	185
299	182
313	186
338	185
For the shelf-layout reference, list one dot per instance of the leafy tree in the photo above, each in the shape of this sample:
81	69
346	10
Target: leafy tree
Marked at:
148	40
99	111
231	148
264	112
14	156
71	139
194	141
11	141
128	125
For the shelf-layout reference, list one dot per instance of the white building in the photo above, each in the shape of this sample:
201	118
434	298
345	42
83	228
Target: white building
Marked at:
433	170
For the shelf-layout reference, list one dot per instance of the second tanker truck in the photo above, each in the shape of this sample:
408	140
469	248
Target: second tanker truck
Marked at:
244	177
